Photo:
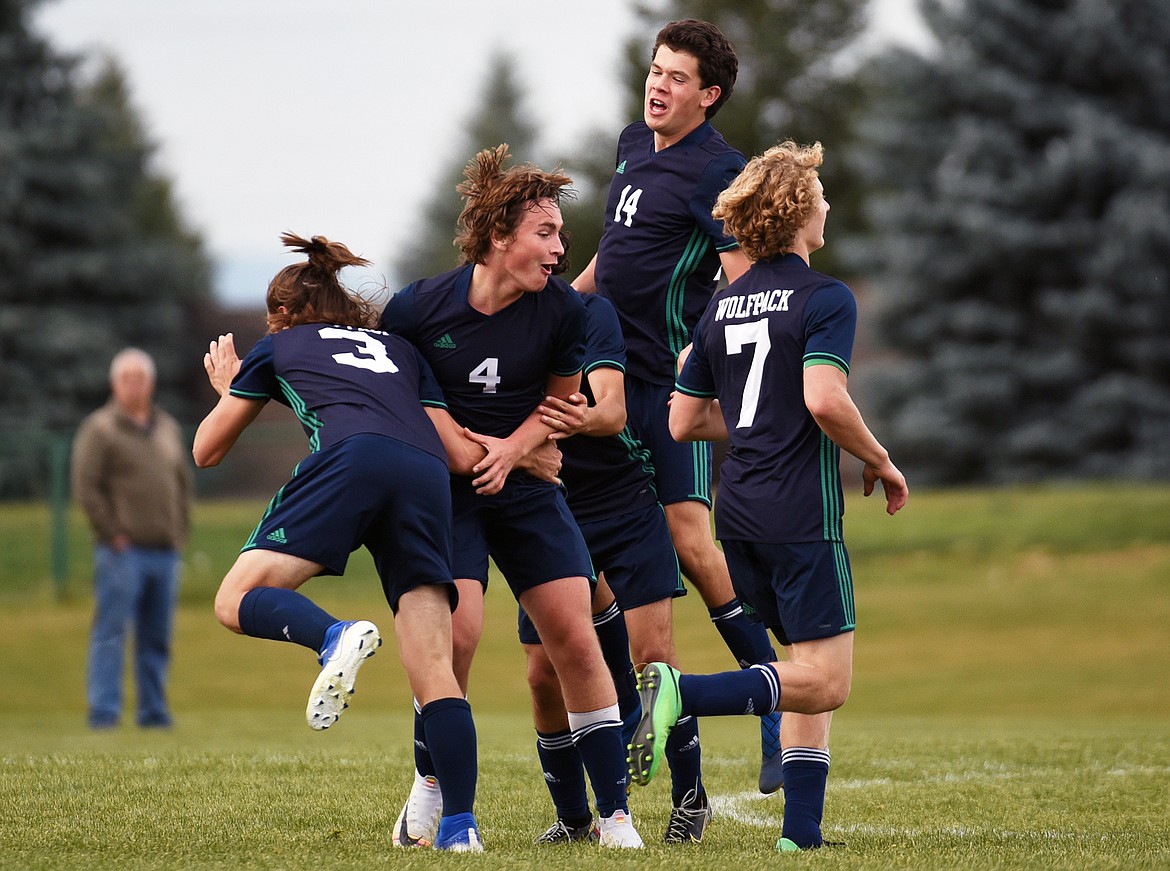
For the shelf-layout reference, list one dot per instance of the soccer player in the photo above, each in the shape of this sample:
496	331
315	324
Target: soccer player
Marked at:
376	476
501	333
610	492
658	261
774	349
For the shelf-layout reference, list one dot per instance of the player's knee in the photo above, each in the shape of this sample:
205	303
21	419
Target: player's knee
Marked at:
227	609
835	690
541	674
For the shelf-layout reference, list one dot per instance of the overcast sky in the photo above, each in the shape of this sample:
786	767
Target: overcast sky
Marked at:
337	117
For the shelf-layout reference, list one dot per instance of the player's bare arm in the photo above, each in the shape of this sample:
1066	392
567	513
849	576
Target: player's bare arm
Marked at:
585	283
503	454
607	416
695	419
222	427
734	262
462	452
826	395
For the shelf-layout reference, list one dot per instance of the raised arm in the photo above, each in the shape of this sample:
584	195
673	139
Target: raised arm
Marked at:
232	414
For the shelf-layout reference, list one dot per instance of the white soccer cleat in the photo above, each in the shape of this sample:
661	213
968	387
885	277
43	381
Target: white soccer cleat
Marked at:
340	661
418	824
617	830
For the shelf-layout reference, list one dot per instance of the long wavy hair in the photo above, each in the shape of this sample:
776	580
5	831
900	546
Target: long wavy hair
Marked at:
311	293
495	199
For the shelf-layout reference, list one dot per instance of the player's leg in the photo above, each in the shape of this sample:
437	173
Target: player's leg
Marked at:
813	683
560	611
610	625
682	475
559	760
652	640
258	598
423	627
806	757
417	824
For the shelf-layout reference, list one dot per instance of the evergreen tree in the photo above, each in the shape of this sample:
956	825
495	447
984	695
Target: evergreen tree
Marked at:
796	81
1024	245
93	256
500	117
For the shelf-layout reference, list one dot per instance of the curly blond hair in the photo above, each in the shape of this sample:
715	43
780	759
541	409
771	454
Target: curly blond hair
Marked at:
495	199
771	199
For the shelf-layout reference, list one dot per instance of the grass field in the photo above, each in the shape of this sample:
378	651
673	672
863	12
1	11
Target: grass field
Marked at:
1011	709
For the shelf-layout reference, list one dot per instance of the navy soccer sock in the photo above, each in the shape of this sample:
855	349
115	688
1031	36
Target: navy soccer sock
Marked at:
806	771
449	727
684	756
564	776
598	737
284	615
753	690
610	627
423	763
745	638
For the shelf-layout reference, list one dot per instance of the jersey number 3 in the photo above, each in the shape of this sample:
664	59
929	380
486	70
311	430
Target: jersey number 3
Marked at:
373	353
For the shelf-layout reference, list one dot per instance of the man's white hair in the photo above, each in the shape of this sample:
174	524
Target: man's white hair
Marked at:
132	358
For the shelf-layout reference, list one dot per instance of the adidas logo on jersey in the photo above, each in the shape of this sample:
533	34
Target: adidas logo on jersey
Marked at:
621	168
445	342
277	535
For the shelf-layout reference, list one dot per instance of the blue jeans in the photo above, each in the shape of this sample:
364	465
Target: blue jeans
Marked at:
133	587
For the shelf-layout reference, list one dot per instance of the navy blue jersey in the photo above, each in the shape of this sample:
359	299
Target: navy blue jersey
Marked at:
492	369
659	252
343	380
780	482
607	475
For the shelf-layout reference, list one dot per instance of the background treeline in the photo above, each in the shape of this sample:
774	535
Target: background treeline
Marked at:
1000	204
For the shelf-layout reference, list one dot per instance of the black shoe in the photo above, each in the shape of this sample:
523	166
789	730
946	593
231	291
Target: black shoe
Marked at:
689	820
561	832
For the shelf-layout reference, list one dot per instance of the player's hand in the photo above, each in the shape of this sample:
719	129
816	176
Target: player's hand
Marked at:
543	463
565	417
492	471
893	484
221	363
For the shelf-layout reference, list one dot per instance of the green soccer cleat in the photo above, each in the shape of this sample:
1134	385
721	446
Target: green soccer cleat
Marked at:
661	708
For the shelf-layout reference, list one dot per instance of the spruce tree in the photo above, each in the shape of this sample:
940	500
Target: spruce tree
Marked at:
93	256
1024	245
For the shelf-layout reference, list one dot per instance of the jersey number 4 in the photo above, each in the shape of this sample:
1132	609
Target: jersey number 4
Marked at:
737	337
373	353
487	374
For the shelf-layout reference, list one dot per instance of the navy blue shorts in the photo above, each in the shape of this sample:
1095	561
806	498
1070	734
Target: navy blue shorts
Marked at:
682	470
526	529
635	553
367	490
801	592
